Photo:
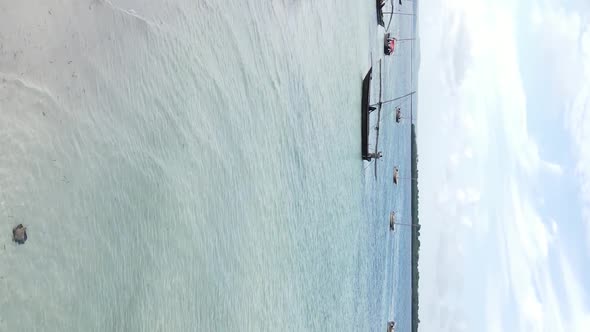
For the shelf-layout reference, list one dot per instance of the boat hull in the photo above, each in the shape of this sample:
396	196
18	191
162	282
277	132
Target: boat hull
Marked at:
365	115
380	20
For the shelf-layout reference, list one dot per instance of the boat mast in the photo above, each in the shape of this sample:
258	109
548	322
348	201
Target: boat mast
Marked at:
391	13
378	116
402	224
380	103
401	14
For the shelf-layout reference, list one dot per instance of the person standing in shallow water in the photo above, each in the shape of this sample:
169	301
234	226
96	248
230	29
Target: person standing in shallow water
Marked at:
19	234
398	114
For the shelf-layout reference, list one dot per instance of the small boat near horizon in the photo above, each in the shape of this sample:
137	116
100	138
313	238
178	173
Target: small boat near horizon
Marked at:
390	326
389	44
392	220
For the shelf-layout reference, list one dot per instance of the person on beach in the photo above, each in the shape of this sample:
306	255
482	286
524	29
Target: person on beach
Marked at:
373	155
19	234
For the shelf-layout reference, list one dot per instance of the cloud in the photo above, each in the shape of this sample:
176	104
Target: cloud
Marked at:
554	226
468	152
570	29
528	242
579	126
454	160
552	168
559	35
493	308
579	314
468	196
467	222
486	203
457	48
526	226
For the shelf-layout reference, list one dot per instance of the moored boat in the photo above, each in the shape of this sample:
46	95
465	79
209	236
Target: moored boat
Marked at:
389	44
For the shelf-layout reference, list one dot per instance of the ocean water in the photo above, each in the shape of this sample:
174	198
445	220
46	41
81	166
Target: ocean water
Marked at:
195	166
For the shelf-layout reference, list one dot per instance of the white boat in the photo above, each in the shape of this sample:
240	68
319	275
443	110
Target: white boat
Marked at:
392	220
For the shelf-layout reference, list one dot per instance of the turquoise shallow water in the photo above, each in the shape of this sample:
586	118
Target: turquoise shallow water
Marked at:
187	166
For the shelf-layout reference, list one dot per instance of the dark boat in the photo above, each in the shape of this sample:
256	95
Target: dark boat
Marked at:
365	110
379	4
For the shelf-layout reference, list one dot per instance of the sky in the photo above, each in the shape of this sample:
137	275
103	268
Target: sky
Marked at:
504	165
